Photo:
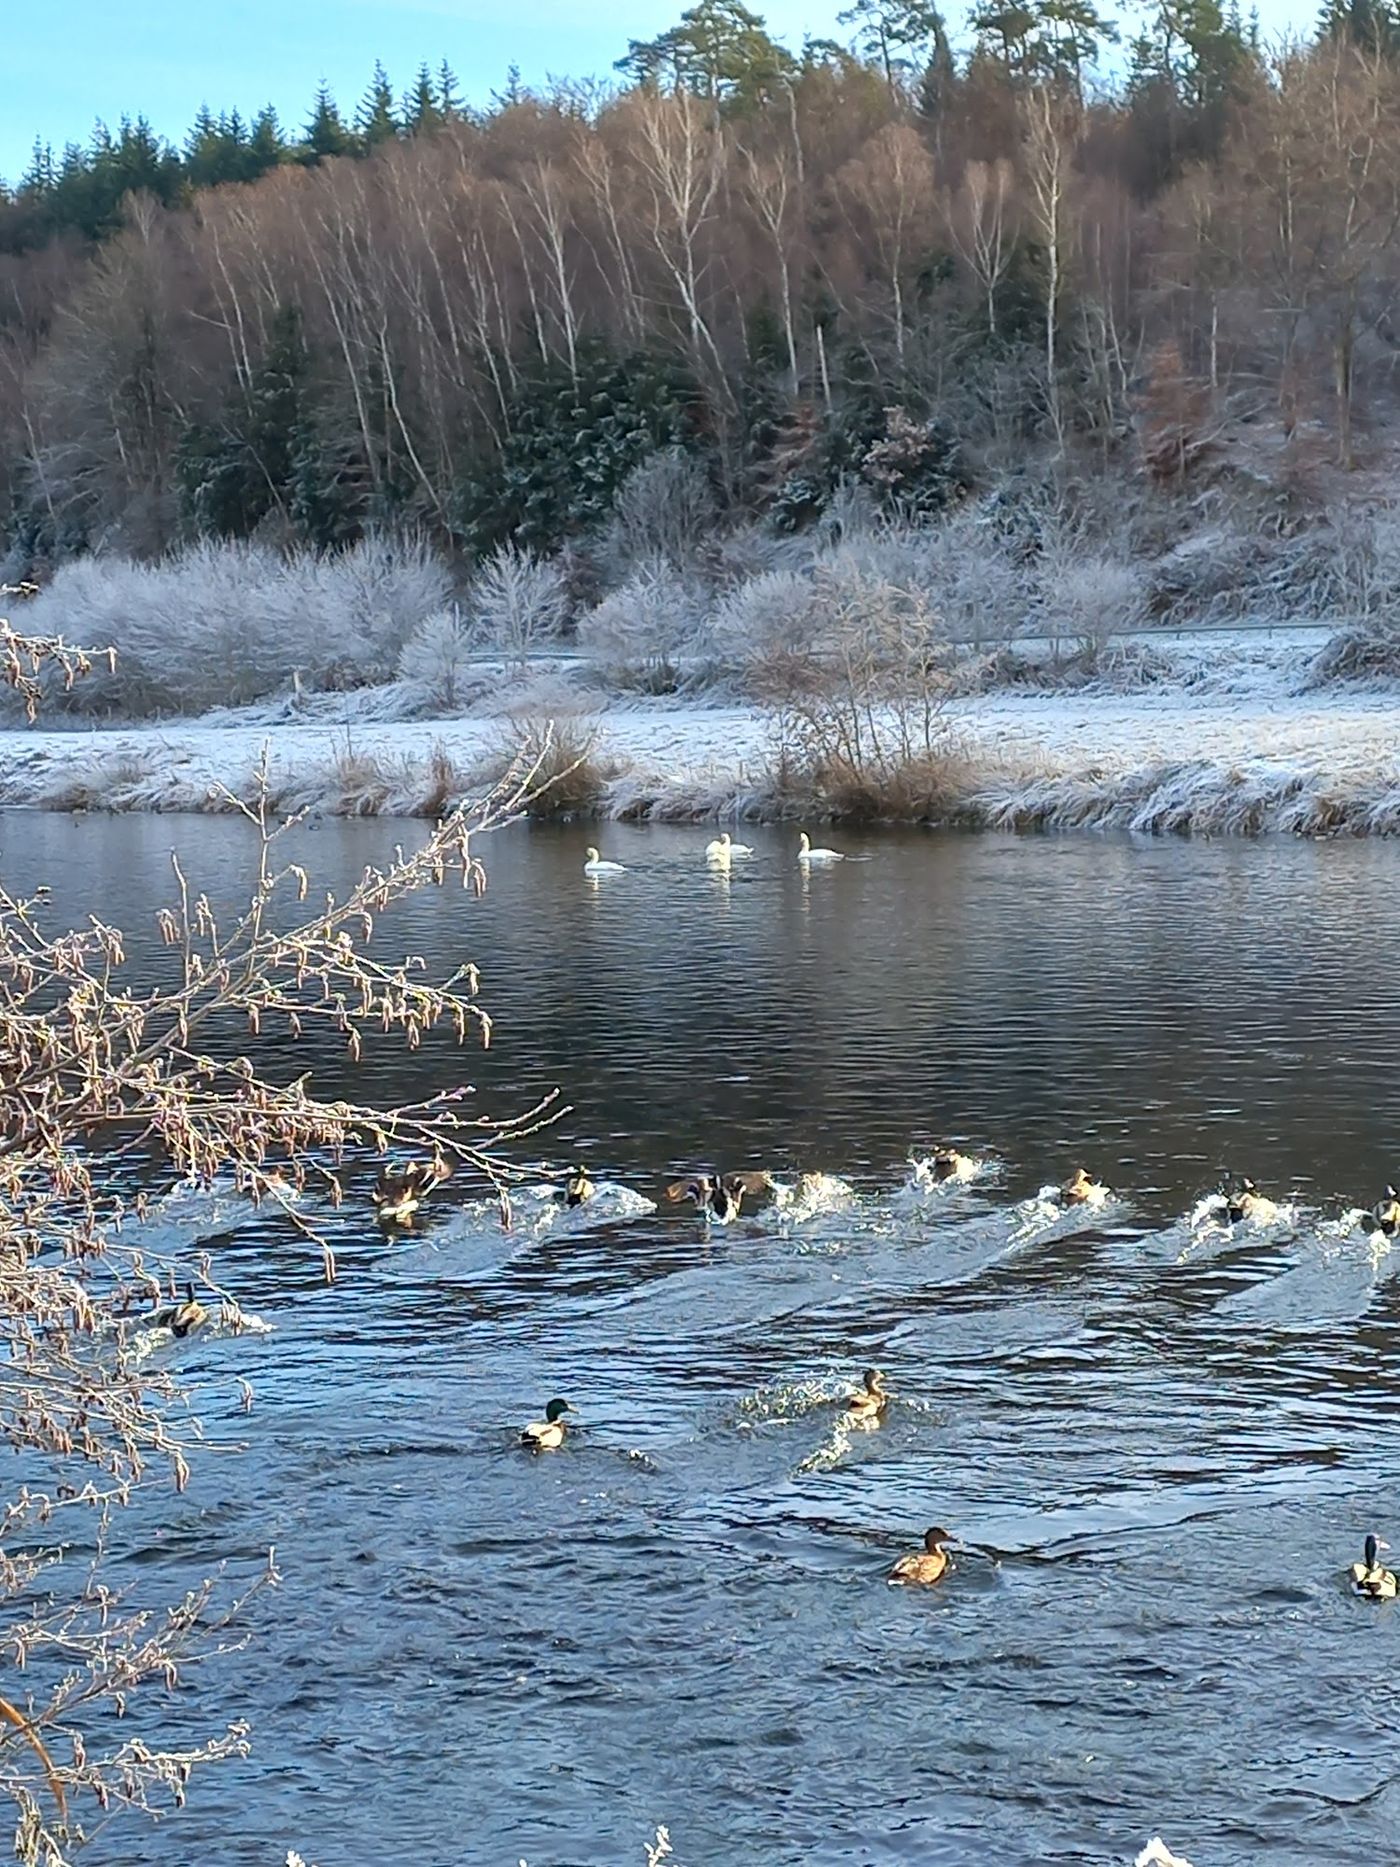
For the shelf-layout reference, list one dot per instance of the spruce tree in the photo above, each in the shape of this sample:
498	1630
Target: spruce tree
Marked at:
421	111
449	98
266	146
326	134
375	120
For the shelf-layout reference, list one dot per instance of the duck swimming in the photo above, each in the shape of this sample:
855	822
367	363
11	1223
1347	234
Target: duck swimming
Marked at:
723	848
1247	1202
866	1406
578	1189
595	864
929	1565
720	1195
1386	1214
806	853
547	1435
399	1192
1368	1577
1080	1190
181	1319
946	1164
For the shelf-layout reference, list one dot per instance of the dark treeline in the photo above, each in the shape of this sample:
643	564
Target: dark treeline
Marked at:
892	260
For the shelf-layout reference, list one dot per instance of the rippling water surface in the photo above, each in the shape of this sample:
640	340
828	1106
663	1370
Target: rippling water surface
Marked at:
1161	1449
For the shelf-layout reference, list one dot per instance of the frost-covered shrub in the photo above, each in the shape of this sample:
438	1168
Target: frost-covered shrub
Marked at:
436	658
1089	600
665	509
778	628
372	596
1366	651
518	600
227	622
646	624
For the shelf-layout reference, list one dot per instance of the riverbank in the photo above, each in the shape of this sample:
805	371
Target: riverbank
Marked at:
1223	737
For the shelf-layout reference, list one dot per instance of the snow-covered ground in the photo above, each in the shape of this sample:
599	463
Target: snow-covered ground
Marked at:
1227	742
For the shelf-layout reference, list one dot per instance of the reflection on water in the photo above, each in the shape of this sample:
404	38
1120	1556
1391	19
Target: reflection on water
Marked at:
1162	1443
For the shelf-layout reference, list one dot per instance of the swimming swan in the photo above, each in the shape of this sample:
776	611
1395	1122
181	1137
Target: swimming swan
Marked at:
724	847
547	1435
929	1565
1368	1577
595	864
1158	1854
806	853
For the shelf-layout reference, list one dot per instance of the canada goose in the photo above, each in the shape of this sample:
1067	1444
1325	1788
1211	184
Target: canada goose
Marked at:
1387	1214
399	1192
946	1164
866	1406
806	854
547	1435
595	864
720	1195
181	1319
1080	1190
930	1564
723	848
1368	1577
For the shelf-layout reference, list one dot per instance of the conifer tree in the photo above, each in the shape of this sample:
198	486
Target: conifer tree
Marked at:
449	98
422	113
375	120
326	134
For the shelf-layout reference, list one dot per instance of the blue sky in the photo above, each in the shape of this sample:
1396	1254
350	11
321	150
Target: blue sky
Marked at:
71	61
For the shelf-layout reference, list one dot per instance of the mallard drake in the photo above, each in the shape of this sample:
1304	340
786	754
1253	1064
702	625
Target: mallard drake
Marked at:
1368	1577
928	1565
400	1191
866	1406
1386	1214
547	1435
806	853
181	1319
595	864
720	1195
1080	1190
946	1164
723	849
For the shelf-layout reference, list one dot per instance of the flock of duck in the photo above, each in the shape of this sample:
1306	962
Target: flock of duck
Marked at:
399	1192
722	852
719	1197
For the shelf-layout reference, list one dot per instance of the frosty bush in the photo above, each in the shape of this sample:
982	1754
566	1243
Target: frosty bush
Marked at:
646	624
665	509
436	658
227	622
518	600
377	592
1089	600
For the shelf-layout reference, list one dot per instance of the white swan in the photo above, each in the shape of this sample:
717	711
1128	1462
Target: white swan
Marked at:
595	864
724	847
1158	1854
806	853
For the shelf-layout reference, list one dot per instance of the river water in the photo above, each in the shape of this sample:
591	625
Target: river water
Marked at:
1160	1448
